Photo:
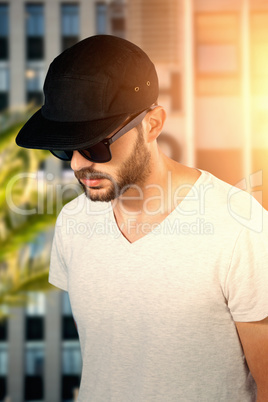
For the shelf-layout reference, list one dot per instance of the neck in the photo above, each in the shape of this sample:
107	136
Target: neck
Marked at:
154	195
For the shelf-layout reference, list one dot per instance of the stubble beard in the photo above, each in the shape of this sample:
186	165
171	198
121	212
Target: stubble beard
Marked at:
133	172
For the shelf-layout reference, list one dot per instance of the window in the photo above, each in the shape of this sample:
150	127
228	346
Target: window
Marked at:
117	19
35	31
34	360
159	28
217	54
3	330
71	358
213	59
71	369
70	385
3	387
101	19
118	26
259	49
4	88
34	328
176	90
36	304
35	317
110	19
4	32
4	79
3	360
68	327
66	306
70	25
170	91
3	371
259	78
35	75
34	370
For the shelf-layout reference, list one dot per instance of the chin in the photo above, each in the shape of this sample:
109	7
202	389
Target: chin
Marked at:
99	194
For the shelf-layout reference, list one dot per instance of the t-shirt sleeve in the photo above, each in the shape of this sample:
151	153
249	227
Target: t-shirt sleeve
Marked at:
247	279
58	269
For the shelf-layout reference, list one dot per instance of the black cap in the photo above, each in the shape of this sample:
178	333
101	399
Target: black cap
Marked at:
90	89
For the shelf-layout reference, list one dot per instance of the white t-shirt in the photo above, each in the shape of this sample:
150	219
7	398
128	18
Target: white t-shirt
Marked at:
156	317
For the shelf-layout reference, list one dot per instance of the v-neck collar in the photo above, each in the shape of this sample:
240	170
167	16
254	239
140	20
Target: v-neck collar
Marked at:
149	236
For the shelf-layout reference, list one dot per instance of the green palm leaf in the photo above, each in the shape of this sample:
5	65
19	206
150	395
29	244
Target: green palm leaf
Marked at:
18	231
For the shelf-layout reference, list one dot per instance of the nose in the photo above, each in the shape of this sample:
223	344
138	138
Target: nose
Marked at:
78	161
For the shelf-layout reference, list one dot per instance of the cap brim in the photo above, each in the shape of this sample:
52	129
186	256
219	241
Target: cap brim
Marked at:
41	133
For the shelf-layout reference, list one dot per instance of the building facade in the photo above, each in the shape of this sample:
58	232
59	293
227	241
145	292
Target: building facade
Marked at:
211	56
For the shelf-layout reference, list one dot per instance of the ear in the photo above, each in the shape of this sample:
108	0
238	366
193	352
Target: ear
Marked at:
153	123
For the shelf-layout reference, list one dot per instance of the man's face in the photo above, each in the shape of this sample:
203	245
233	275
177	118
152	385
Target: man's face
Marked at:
130	165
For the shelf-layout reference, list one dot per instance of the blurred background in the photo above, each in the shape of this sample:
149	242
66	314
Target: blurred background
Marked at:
212	61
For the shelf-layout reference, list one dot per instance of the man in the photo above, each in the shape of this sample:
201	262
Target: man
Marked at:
167	276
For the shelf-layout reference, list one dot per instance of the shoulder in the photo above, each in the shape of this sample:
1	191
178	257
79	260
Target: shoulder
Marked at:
233	207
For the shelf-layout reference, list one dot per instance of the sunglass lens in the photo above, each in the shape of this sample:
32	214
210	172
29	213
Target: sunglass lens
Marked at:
63	155
97	153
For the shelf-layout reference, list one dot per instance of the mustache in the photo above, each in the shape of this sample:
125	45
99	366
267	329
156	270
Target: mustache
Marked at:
89	173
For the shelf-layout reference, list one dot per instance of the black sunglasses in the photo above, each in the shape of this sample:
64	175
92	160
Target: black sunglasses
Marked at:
101	152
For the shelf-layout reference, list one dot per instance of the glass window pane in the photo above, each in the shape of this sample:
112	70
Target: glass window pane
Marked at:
260	118
35	20
3	330
217	58
69	330
70	20
260	58
4	101
118	25
66	306
4	48
3	360
34	328
71	359
3	20
36	304
36	98
35	48
217	27
70	387
3	388
176	91
68	41
34	388
101	10
259	23
34	360
4	80
117	19
34	82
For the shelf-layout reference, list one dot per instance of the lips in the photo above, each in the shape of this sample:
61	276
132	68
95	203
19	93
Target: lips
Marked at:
91	182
